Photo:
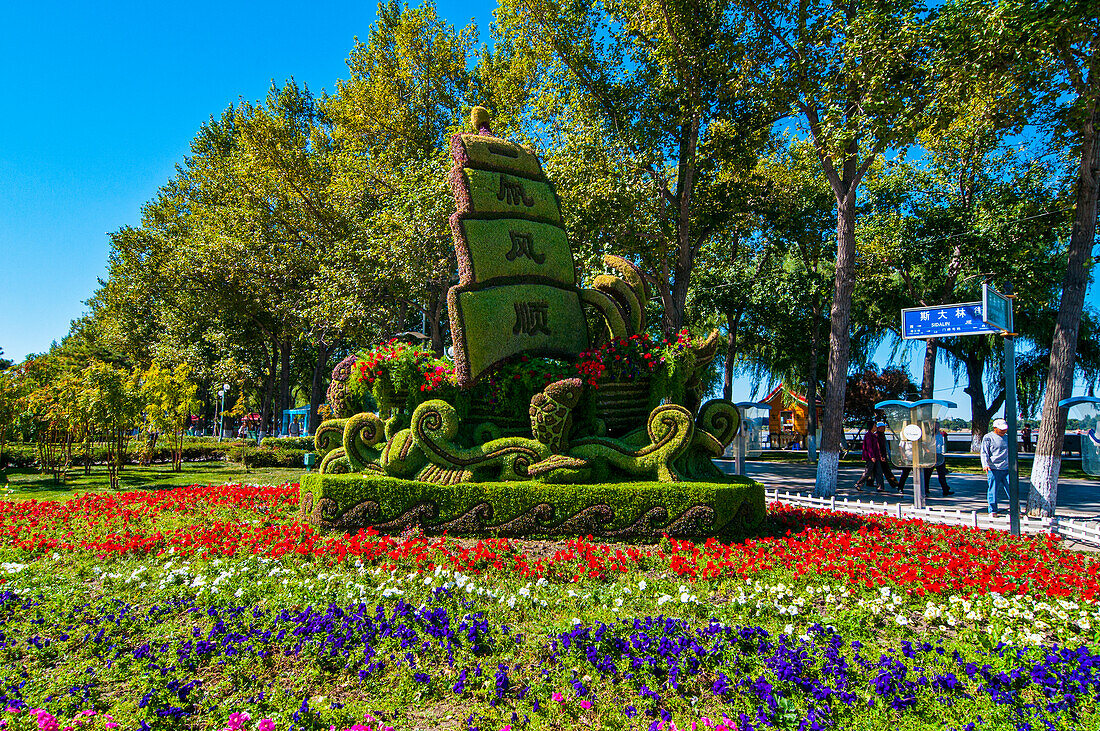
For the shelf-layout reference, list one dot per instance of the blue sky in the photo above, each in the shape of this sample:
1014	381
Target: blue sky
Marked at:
102	101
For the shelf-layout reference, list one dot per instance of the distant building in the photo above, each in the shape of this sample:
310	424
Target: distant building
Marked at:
788	417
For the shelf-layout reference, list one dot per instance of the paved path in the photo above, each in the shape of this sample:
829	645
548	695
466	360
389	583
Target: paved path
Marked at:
1076	498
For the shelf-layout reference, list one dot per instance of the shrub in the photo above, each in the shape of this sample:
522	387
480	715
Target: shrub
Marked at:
19	455
305	443
253	456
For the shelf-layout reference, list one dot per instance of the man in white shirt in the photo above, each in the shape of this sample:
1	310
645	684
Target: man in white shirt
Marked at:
994	454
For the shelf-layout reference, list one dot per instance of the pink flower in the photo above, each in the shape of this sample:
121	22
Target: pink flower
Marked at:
46	722
265	724
557	697
586	704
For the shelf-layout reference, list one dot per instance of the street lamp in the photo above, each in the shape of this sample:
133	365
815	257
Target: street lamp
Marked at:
221	420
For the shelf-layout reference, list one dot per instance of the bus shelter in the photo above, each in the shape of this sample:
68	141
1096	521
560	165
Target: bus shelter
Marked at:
1084	418
749	442
911	428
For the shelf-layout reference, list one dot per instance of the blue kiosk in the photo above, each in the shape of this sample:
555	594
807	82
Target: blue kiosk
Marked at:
292	415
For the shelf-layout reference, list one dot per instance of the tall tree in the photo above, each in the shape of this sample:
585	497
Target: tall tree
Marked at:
1068	32
409	89
968	211
661	92
169	399
112	397
857	74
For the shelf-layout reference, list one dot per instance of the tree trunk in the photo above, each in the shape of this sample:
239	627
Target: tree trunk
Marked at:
839	343
1043	495
811	393
685	250
269	384
979	409
439	301
318	385
732	322
284	386
928	375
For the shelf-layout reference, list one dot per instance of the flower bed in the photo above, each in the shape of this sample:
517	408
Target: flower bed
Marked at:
211	608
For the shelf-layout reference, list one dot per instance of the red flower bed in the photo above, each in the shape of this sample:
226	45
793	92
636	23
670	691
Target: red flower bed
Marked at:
877	550
863	550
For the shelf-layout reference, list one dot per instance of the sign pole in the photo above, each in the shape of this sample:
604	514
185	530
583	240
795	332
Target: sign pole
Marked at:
1010	417
741	445
914	447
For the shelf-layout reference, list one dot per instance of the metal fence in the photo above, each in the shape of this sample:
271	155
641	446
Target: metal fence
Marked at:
1077	529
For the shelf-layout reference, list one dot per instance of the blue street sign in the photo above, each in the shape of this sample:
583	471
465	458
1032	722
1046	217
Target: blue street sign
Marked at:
945	321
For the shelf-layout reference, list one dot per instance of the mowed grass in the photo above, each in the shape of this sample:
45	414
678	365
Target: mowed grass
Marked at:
24	482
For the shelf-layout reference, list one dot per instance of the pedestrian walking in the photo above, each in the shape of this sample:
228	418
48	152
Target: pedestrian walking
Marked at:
926	472
1026	434
873	456
994	454
887	472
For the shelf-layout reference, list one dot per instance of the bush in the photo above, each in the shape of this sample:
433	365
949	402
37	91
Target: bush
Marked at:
253	456
18	455
622	509
26	455
305	443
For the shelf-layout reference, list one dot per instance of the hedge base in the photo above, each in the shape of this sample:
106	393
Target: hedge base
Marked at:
610	510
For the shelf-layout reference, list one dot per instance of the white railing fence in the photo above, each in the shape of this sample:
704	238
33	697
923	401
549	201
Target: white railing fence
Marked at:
1085	531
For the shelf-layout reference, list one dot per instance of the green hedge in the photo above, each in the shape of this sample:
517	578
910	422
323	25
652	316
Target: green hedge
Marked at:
18	455
620	509
252	456
26	455
305	443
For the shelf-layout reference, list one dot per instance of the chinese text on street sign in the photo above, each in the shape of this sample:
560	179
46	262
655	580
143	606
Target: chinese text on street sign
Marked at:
945	321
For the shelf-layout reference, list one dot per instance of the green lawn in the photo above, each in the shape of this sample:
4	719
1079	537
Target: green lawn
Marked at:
25	482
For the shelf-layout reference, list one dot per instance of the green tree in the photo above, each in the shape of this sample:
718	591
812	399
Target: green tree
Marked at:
969	211
169	399
46	404
1044	59
1068	32
858	76
410	87
113	398
11	390
649	111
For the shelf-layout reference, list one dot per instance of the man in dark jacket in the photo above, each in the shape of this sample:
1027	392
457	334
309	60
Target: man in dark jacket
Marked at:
887	473
874	455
